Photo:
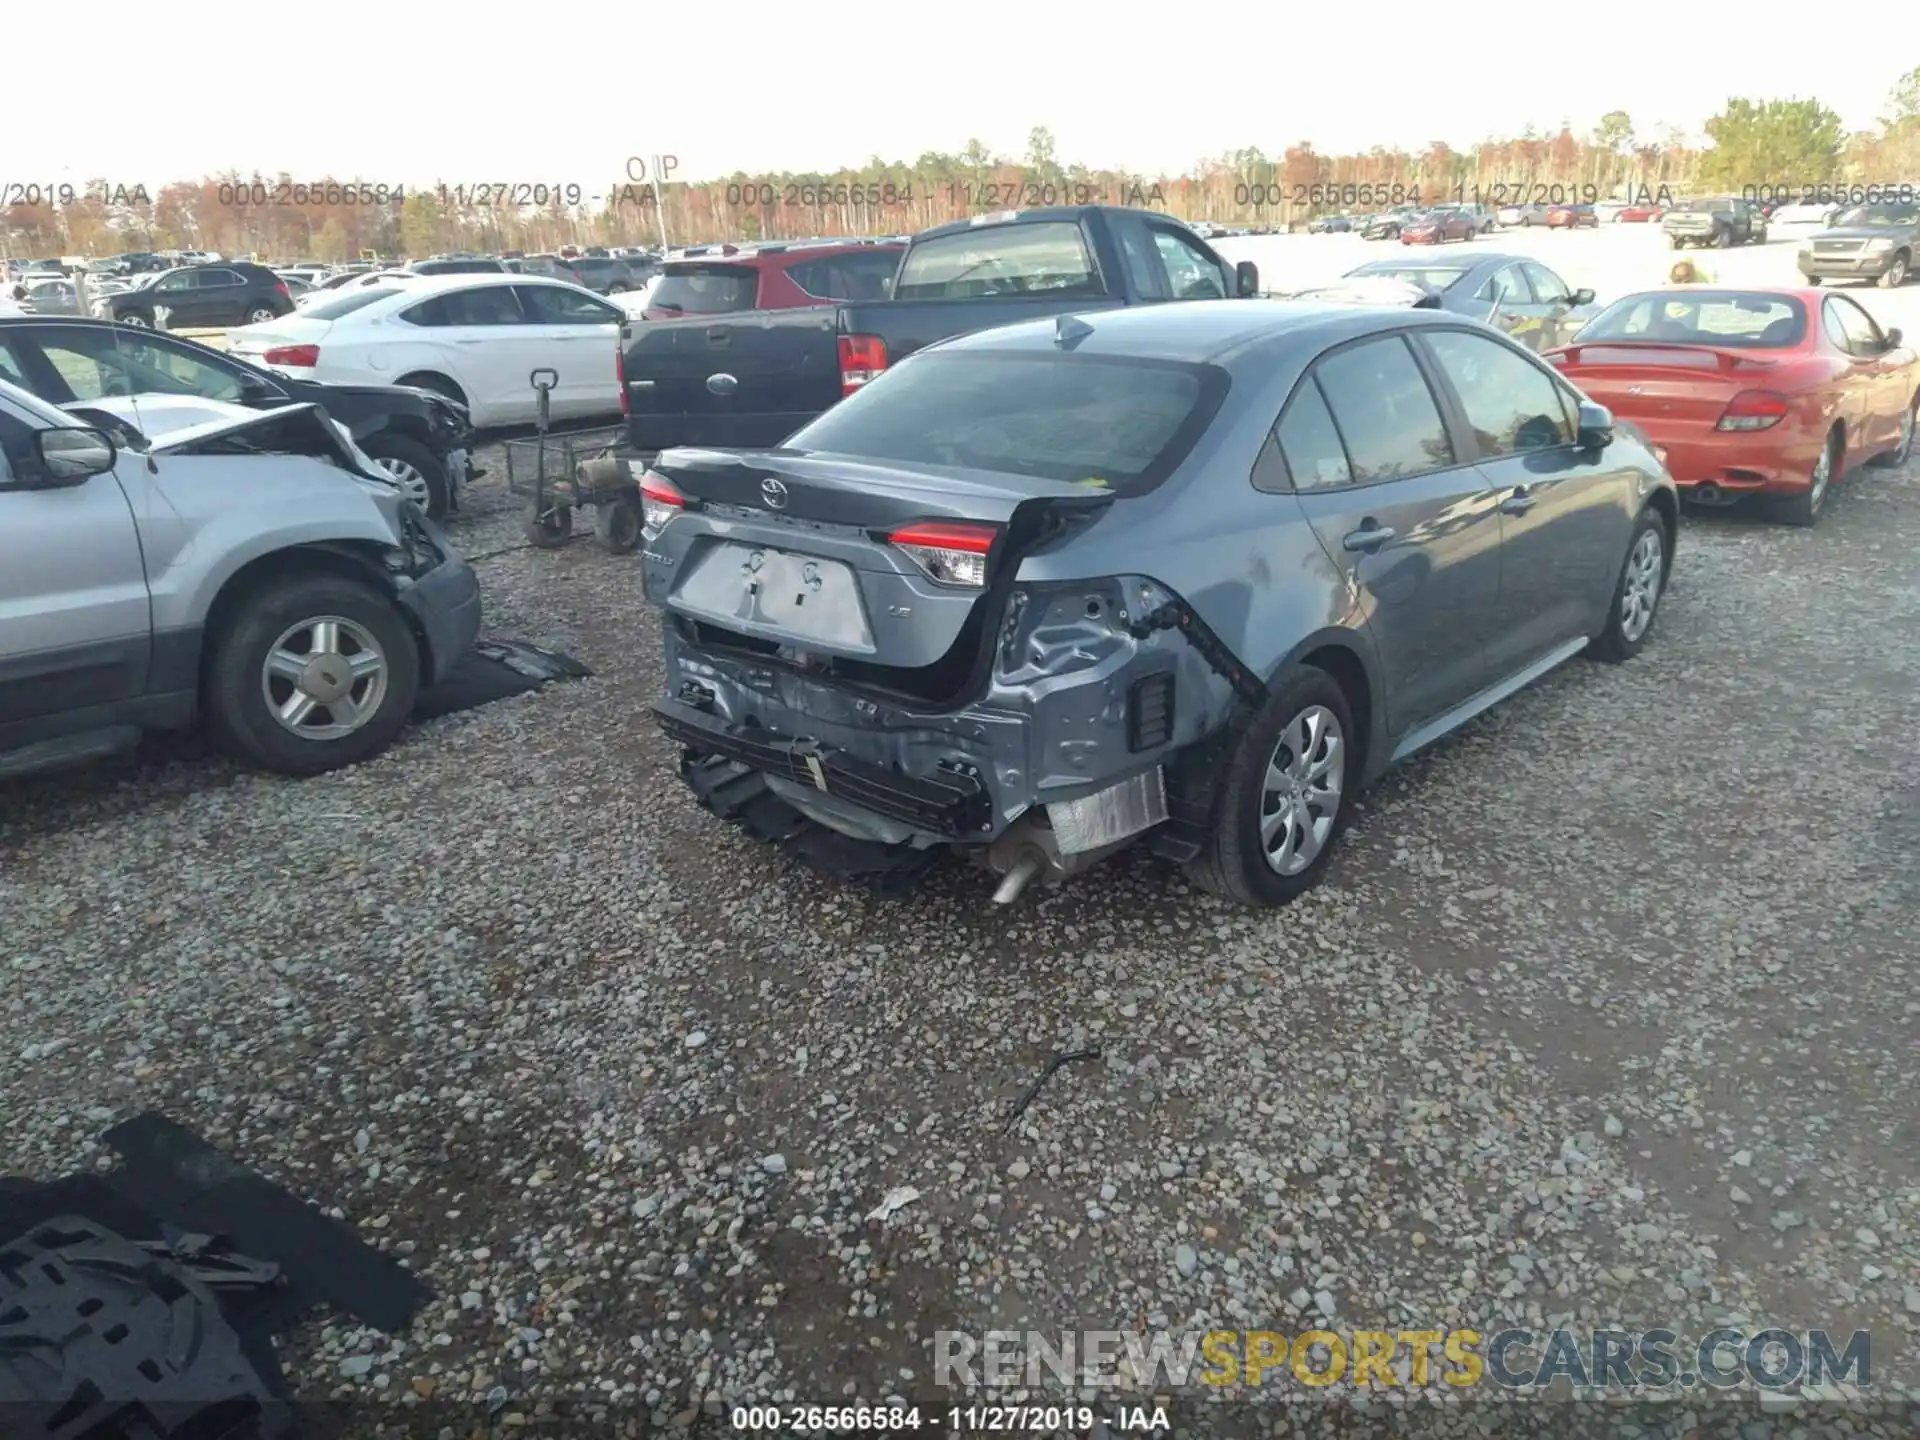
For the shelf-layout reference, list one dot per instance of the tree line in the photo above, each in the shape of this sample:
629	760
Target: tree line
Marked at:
1786	143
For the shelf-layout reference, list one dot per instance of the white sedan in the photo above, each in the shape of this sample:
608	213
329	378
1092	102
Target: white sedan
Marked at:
477	339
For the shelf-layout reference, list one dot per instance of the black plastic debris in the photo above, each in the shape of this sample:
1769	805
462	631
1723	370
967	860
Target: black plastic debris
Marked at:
494	670
141	1303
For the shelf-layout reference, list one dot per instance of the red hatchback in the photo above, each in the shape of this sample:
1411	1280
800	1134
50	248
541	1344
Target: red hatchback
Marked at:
725	279
1774	393
1639	214
1572	217
1445	222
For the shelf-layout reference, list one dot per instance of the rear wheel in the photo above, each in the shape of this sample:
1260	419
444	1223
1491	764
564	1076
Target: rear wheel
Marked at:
1675	242
136	320
1803	508
1896	272
1636	596
1902	452
1722	238
1813	281
438	384
260	314
1282	801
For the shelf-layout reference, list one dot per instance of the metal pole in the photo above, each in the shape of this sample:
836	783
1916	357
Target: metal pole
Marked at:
660	204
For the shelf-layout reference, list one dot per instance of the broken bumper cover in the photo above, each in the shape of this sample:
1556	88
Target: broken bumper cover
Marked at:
952	805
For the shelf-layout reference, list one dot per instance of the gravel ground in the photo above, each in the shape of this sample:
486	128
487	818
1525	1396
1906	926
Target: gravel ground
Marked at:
1606	1013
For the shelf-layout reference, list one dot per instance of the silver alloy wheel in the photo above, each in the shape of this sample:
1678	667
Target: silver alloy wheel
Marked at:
138	322
412	483
1300	798
1640	586
1822	472
324	678
1904	450
259	316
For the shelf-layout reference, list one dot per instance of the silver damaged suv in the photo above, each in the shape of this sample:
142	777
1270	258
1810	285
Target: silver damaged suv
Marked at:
246	573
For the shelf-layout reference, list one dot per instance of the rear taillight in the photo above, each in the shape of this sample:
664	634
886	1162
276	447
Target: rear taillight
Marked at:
281	287
303	357
659	503
1754	410
861	358
953	554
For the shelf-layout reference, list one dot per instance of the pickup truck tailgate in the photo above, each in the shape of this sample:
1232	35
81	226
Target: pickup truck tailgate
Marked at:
746	379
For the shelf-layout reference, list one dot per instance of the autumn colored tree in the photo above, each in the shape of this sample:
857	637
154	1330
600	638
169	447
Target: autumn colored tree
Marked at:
1784	142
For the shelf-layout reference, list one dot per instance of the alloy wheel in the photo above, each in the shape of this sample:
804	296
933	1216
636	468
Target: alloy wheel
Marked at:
1822	473
1300	797
1904	451
259	316
138	322
412	483
324	678
1640	586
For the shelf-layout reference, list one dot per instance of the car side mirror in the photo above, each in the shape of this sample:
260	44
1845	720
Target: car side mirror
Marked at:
1246	279
63	458
1595	427
1582	296
1893	336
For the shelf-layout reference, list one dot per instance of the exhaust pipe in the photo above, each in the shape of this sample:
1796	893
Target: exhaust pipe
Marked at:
1018	878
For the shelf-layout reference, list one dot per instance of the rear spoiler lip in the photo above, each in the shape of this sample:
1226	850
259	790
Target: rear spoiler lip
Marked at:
1730	359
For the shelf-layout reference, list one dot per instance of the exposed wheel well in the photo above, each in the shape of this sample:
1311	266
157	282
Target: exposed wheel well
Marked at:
350	559
1351	676
1668	509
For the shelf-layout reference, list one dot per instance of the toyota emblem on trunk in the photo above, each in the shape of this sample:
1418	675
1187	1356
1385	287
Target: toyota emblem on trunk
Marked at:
774	493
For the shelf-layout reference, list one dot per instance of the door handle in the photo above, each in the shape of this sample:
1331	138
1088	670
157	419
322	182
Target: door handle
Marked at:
1518	503
1369	537
717	339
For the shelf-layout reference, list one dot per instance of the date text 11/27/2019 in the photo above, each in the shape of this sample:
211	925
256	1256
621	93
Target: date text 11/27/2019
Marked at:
953	195
904	1419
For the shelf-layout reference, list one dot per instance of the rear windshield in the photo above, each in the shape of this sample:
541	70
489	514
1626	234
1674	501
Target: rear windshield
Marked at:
1901	213
1743	320
706	289
1045	258
1440	277
338	305
1698	207
1111	423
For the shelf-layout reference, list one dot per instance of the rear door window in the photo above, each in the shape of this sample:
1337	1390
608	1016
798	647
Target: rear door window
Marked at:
707	289
352	300
1386	414
559	305
1112	424
482	305
1310	441
1041	258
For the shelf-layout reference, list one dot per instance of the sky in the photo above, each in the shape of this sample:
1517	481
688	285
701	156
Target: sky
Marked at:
392	94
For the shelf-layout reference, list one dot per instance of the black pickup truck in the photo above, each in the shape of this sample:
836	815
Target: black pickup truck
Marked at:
751	378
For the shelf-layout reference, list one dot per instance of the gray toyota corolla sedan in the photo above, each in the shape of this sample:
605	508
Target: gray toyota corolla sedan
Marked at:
1188	573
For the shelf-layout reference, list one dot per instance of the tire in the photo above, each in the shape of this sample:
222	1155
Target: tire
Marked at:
1674	242
1813	281
1722	238
549	529
1803	509
1895	274
260	314
243	685
616	524
137	320
423	475
1234	861
1636	594
439	384
1895	458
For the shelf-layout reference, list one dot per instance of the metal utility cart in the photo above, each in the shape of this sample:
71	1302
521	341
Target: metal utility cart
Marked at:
559	473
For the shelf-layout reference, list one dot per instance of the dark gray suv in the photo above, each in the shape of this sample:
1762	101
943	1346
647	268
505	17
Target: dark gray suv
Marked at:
1188	572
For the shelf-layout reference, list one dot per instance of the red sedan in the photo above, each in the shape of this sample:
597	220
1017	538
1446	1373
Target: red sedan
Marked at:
1572	217
1639	214
1444	222
1774	393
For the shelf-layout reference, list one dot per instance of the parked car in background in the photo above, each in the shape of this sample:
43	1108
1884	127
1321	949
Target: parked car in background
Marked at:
1774	394
776	276
422	440
606	276
1572	217
1797	213
1640	214
1524	215
1719	221
50	297
243	575
1328	225
718	378
1018	599
1867	242
457	265
1514	294
201	296
1442	223
1387	224
472	338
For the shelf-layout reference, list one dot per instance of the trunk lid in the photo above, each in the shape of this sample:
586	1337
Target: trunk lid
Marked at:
1662	382
250	342
790	556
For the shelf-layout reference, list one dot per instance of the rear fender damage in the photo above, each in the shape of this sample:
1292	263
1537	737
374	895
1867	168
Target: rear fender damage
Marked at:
1097	694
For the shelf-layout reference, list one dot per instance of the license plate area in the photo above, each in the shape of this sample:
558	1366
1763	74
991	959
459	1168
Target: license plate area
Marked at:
777	595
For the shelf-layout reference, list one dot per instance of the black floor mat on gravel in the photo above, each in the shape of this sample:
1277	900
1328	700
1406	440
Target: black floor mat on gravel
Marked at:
494	670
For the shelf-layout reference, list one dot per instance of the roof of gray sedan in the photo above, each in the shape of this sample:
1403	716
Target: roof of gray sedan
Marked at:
1467	261
1194	331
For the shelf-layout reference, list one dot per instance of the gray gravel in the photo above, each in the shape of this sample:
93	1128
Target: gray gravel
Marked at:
1606	1014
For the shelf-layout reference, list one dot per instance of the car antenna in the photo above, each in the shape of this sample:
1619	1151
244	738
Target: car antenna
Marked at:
1069	331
